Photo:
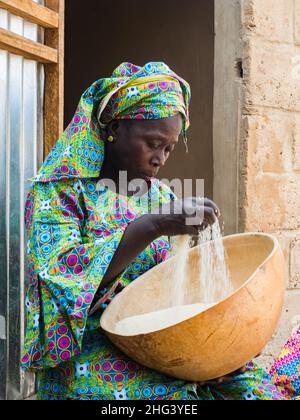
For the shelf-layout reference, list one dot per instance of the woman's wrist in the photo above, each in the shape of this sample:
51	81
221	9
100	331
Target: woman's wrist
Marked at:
155	224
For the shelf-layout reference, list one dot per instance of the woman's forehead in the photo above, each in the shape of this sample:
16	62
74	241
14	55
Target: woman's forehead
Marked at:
171	125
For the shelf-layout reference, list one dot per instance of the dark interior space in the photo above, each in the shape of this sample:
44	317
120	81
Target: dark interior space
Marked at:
100	34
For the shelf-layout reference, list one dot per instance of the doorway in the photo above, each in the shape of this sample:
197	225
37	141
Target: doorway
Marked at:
103	34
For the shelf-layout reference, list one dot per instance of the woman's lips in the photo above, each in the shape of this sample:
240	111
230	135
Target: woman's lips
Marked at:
148	176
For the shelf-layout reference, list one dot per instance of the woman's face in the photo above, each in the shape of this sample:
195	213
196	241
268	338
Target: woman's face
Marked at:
142	147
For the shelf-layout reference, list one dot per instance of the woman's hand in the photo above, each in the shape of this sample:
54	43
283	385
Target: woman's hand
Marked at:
169	220
227	378
186	216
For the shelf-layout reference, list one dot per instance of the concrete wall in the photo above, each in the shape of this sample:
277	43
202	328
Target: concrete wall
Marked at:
269	187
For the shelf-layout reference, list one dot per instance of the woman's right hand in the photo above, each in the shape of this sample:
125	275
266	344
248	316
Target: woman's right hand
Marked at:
187	216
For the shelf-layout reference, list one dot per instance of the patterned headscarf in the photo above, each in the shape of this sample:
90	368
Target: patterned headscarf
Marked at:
132	92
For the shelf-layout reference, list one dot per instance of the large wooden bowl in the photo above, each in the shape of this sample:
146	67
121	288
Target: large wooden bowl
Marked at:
221	339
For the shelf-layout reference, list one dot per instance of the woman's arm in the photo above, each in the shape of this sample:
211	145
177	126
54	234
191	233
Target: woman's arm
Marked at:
140	233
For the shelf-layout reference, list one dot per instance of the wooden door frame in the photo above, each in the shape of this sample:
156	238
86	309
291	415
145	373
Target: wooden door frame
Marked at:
227	109
51	54
54	79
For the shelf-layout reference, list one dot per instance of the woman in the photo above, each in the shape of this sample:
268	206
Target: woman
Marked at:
86	242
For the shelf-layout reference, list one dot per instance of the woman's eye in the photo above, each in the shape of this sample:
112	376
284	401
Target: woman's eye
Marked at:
154	146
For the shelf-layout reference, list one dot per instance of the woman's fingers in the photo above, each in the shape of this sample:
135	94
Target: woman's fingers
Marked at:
210	203
210	215
225	379
192	230
207	202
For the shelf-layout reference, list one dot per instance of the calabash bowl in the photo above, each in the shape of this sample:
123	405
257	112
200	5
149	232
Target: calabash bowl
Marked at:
219	340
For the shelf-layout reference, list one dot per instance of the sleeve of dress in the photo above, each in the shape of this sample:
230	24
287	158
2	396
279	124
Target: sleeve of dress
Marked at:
285	372
65	272
155	253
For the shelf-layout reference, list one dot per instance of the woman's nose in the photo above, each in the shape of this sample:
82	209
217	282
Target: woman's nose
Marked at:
158	160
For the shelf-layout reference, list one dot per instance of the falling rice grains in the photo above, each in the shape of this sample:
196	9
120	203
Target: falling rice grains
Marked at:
214	277
214	284
177	271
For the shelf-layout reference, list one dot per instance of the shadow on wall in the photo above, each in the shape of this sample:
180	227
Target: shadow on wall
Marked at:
103	34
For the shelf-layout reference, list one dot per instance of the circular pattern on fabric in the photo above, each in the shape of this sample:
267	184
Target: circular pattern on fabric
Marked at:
50	334
163	85
36	356
106	366
88	298
56	292
119	378
91	187
137	267
62	268
63	302
108	257
62	330
146	392
119	366
86	260
77	119
25	358
72	260
160	390
132	366
56	236
51	345
65	355
64	342
47	249
93	155
69	295
45	237
97	261
64	169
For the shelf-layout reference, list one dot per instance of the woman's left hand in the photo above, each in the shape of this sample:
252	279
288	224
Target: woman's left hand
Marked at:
227	378
224	379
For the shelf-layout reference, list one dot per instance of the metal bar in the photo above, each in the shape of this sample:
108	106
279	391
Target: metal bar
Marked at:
32	11
15	117
19	45
28	165
3	225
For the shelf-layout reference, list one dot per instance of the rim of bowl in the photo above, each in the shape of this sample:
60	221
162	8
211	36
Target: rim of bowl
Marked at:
276	246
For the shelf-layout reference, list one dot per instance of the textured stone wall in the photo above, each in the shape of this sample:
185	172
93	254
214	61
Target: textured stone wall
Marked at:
269	193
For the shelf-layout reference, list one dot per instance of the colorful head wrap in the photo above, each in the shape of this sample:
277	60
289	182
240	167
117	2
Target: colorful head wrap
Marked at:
132	92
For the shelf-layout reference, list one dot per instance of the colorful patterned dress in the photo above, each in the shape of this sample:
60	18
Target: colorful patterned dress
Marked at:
73	229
